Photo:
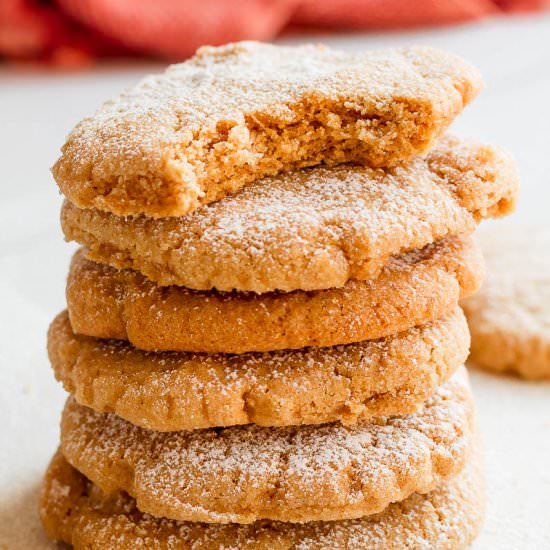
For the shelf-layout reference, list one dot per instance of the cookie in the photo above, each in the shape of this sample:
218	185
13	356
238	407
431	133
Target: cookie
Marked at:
411	290
510	317
75	511
295	474
232	115
311	229
187	391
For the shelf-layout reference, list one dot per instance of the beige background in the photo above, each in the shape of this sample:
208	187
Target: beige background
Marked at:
36	111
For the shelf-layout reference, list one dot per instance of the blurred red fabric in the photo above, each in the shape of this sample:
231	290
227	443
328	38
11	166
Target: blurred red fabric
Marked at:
395	13
176	28
73	32
40	31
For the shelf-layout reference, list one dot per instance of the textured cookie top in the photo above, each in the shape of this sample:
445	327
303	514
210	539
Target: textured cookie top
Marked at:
235	114
75	511
296	474
510	316
188	391
311	229
412	289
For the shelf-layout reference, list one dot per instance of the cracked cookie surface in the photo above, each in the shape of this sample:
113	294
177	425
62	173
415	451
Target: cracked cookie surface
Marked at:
75	511
188	391
412	289
296	474
234	114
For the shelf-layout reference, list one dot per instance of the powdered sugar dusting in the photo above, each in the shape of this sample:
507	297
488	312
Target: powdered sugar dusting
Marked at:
217	121
510	316
309	229
294	474
449	516
516	293
176	391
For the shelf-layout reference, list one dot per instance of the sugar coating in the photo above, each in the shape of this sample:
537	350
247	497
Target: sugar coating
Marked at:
312	229
77	512
412	289
297	474
188	391
510	316
234	114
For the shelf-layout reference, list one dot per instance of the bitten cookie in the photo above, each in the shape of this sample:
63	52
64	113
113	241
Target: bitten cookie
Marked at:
186	391
235	114
311	229
411	290
74	510
510	317
295	474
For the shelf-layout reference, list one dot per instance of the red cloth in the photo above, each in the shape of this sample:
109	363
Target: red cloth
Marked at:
72	32
395	13
176	28
38	31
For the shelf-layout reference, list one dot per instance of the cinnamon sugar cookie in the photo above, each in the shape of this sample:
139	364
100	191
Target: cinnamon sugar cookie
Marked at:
311	229
234	114
411	290
186	391
296	474
77	512
510	317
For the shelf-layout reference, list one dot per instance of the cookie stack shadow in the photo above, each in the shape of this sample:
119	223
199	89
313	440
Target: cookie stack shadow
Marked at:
263	341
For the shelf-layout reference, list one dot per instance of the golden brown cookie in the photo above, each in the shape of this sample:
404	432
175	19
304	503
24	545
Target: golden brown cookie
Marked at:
235	114
187	391
510	317
296	474
411	290
74	510
312	229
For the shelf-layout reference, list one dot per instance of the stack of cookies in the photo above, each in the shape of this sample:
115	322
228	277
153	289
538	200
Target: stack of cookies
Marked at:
263	340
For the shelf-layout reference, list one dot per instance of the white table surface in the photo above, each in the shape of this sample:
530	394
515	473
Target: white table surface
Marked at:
37	110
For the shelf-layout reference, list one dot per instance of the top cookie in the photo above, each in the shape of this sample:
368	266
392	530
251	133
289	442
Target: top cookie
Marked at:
235	114
310	229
